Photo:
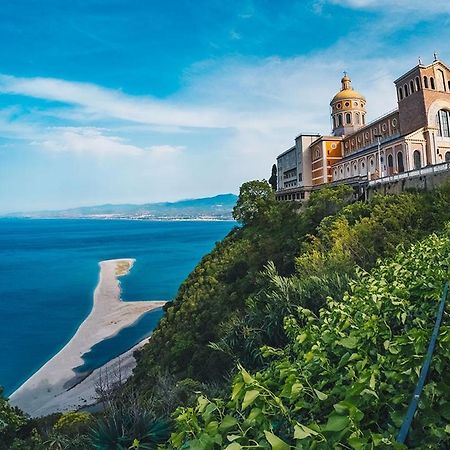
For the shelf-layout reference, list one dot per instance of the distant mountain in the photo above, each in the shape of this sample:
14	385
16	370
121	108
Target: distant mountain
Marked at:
218	208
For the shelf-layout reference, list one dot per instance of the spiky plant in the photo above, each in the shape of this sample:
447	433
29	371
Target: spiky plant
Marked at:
123	430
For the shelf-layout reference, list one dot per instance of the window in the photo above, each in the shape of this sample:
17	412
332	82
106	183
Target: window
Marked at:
400	93
442	80
417	159
348	118
400	165
443	123
302	195
447	157
448	83
405	87
300	177
432	83
340	120
363	119
425	82
357	119
417	84
334	122
390	164
411	85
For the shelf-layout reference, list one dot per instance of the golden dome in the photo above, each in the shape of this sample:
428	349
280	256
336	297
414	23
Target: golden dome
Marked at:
347	92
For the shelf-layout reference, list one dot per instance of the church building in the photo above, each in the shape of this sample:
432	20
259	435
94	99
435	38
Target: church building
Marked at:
408	142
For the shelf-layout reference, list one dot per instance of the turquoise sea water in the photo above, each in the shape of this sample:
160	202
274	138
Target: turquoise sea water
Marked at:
49	269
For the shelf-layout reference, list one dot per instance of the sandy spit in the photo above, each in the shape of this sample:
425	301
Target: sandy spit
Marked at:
47	390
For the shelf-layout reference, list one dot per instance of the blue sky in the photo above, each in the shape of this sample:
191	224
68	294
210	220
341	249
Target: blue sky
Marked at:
111	101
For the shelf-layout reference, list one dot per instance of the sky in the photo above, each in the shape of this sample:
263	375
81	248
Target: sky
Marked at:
134	101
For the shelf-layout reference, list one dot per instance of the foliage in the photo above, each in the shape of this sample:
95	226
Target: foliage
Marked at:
73	422
346	376
273	177
127	430
256	202
215	293
12	422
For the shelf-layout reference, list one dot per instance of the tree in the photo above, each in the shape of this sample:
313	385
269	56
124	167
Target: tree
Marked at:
11	422
273	178
256	202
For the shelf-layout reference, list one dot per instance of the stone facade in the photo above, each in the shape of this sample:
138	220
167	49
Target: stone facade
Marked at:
414	136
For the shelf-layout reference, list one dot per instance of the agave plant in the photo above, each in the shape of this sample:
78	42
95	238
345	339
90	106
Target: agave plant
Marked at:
125	430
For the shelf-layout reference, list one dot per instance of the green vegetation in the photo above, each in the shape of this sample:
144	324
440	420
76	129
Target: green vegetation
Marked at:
346	375
304	328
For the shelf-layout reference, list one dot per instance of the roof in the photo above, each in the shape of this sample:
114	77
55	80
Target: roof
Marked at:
348	94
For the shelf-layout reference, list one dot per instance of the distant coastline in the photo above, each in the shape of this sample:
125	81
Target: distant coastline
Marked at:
148	219
219	208
55	386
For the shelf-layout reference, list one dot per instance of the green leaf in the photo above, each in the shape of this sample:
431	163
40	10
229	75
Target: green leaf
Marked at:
447	429
358	443
237	387
348	342
248	379
302	432
296	388
321	395
249	398
336	423
276	442
233	437
227	423
234	446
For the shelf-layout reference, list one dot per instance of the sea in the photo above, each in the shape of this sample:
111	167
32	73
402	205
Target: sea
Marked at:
49	270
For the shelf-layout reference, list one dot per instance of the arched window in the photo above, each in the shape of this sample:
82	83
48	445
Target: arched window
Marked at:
390	164
432	83
357	119
447	157
339	120
448	82
417	84
400	165
348	118
443	123
425	82
411	85
400	93
334	122
417	159
363	119
405	87
441	81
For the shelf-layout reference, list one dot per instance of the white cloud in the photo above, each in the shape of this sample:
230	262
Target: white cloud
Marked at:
85	140
384	6
104	102
164	150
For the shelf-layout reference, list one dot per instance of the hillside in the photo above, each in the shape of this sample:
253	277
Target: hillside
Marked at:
218	207
301	329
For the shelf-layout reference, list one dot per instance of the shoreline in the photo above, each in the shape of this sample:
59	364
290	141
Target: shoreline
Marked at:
45	392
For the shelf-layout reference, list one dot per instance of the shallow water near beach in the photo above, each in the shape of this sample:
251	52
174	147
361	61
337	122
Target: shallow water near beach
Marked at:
49	270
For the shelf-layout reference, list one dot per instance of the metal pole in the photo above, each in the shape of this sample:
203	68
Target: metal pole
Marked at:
403	433
380	170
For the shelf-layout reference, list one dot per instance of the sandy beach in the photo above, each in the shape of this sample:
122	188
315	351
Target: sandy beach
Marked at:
47	391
